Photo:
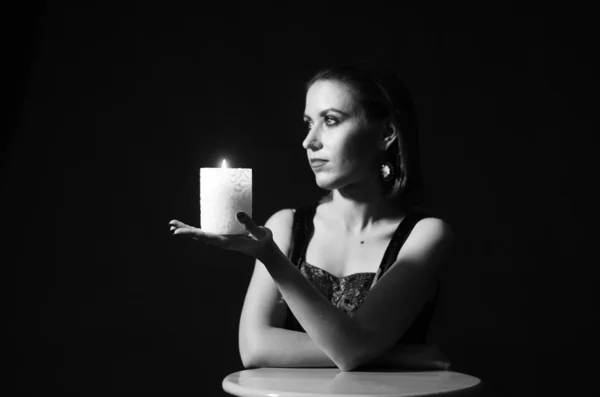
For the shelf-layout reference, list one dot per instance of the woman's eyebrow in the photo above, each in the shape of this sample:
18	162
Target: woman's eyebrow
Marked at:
324	112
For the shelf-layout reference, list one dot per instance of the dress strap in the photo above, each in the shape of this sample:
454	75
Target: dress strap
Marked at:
400	235
302	230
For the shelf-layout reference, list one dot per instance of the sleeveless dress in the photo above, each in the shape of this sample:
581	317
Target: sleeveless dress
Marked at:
348	293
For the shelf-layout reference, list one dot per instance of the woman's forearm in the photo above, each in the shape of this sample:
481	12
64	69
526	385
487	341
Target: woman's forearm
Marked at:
329	331
285	348
281	347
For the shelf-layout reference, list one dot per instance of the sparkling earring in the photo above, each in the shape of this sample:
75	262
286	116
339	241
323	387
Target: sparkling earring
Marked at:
387	171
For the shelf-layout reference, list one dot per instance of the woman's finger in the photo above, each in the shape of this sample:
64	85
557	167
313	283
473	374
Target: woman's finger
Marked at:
178	224
249	224
201	235
230	242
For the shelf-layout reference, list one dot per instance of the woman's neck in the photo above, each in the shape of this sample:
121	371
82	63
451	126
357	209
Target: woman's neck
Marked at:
358	214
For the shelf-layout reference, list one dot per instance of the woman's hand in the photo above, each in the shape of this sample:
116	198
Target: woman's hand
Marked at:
258	242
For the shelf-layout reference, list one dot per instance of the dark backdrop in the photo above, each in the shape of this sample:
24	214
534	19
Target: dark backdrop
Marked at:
120	103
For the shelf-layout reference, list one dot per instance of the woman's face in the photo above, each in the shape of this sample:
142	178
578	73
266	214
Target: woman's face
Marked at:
339	133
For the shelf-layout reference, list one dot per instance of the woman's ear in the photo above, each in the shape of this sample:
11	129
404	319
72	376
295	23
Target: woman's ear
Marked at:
389	135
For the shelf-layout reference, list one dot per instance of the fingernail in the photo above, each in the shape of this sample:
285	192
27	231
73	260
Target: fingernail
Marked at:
240	216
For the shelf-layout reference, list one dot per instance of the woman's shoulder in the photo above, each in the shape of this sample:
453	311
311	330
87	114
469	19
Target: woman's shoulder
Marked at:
280	224
282	221
430	231
429	223
281	218
286	215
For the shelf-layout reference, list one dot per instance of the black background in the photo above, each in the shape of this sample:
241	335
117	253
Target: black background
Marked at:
116	105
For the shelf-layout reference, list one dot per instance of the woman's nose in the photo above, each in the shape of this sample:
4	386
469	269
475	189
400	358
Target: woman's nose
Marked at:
312	140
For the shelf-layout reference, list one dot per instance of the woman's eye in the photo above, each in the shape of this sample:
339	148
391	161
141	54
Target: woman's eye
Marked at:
308	125
330	120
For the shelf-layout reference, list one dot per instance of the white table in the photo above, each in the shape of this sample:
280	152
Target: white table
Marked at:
328	382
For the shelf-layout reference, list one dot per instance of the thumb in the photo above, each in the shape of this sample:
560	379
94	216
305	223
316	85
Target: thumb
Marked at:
249	224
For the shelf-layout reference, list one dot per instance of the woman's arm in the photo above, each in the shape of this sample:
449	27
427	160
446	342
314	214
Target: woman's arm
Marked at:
388	310
349	342
333	332
285	348
262	341
281	347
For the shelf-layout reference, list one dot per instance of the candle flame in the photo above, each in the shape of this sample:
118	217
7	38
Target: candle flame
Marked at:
224	164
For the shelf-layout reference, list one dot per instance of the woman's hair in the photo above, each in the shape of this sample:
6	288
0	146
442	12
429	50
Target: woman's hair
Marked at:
382	95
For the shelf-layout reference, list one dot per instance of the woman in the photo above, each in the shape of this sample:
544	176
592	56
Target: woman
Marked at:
321	295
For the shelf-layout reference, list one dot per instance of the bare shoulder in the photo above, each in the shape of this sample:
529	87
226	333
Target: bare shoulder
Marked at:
430	236
280	224
434	228
281	219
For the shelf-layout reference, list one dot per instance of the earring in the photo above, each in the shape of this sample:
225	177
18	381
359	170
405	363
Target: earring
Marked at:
387	171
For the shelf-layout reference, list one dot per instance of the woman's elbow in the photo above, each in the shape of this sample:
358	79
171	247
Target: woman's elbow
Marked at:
250	364
250	361
353	362
346	365
248	354
349	367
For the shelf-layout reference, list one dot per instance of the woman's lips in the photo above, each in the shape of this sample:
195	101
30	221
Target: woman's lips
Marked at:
317	163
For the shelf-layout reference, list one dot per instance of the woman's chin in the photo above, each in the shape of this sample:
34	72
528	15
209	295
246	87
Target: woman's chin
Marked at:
326	183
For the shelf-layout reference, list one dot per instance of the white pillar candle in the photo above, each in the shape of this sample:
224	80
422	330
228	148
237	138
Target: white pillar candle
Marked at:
223	193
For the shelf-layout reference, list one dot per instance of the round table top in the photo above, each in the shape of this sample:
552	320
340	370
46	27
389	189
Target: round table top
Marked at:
322	382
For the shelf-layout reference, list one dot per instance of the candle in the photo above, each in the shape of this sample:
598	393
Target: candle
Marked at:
223	193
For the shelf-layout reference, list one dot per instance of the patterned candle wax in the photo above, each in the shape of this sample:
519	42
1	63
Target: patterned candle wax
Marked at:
223	193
